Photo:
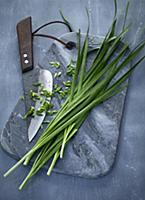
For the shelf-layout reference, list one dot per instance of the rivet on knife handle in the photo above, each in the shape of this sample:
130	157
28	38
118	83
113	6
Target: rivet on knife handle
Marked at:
24	33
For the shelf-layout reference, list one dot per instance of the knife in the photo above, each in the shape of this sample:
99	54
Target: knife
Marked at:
30	72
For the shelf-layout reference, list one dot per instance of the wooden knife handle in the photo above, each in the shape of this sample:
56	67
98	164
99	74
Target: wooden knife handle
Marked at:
24	33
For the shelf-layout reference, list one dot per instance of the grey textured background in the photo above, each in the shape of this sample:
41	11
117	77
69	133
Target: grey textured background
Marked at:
127	179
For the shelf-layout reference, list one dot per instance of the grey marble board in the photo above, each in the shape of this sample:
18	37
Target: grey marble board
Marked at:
91	153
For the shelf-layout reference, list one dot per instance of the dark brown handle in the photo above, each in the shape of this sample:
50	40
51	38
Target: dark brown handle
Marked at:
24	33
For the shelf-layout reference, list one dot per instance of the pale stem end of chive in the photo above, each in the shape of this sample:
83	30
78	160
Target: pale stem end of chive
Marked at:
14	167
53	163
26	162
24	182
66	133
18	163
63	143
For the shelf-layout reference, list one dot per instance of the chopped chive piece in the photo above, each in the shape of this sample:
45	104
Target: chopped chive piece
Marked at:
55	64
57	74
39	111
41	87
46	122
29	113
51	112
46	93
34	95
57	88
47	105
67	91
48	99
44	108
67	83
54	111
70	69
62	94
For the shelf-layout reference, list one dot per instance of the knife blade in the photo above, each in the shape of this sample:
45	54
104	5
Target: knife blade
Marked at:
45	78
31	74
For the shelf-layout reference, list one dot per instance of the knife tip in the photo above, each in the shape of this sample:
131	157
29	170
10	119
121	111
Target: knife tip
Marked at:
30	139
